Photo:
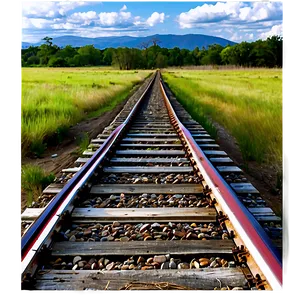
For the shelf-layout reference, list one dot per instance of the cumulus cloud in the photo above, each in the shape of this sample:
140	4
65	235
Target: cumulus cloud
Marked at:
84	18
53	17
208	13
275	30
123	8
114	19
155	18
49	9
237	21
261	11
230	13
39	23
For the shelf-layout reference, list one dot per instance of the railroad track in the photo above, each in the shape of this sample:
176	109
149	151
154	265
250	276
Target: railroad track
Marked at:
152	204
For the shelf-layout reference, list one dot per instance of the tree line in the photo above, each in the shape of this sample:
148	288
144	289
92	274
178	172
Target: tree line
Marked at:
260	53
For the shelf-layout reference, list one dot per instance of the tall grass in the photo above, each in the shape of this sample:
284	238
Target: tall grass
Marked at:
54	99
33	180
246	102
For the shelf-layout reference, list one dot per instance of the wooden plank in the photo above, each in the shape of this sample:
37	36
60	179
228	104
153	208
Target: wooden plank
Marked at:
197	131
139	169
71	170
178	247
159	124
88	153
153	135
220	160
152	128
208	145
201	279
152	145
147	188
267	218
151	131
263	211
104	135
213	152
166	214
190	123
53	188
152	140
30	214
91	146
244	188
151	152
82	160
204	140
98	140
199	134
228	169
148	160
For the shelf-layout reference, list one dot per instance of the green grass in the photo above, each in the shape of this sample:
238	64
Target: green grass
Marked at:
55	99
248	103
33	180
83	143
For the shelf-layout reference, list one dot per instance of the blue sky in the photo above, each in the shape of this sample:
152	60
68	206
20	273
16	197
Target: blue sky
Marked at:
236	21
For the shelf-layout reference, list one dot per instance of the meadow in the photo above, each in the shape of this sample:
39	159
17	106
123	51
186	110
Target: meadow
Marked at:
248	103
53	99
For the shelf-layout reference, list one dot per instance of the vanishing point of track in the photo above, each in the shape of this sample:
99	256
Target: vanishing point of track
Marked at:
152	204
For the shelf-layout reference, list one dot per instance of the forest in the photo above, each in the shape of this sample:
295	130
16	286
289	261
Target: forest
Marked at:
260	53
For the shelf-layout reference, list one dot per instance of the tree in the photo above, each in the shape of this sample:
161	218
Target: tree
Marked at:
67	52
267	53
57	62
33	60
92	56
161	61
274	44
196	54
107	56
152	53
175	58
155	41
187	57
48	40
226	55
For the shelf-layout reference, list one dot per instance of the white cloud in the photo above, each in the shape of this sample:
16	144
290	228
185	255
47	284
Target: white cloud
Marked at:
49	9
155	18
123	8
230	13
39	23
208	13
114	18
67	26
261	11
84	18
275	30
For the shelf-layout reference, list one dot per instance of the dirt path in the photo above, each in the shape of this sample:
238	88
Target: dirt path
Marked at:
67	150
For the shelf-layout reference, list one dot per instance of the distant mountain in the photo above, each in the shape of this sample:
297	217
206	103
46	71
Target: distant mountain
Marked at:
188	41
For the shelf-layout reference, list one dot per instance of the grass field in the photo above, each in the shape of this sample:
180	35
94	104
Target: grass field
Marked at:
54	99
248	103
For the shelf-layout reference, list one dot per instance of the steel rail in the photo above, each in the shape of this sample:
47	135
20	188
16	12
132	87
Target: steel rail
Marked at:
253	235
40	230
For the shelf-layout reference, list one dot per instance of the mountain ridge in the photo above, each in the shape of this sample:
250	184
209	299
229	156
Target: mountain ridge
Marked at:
187	41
